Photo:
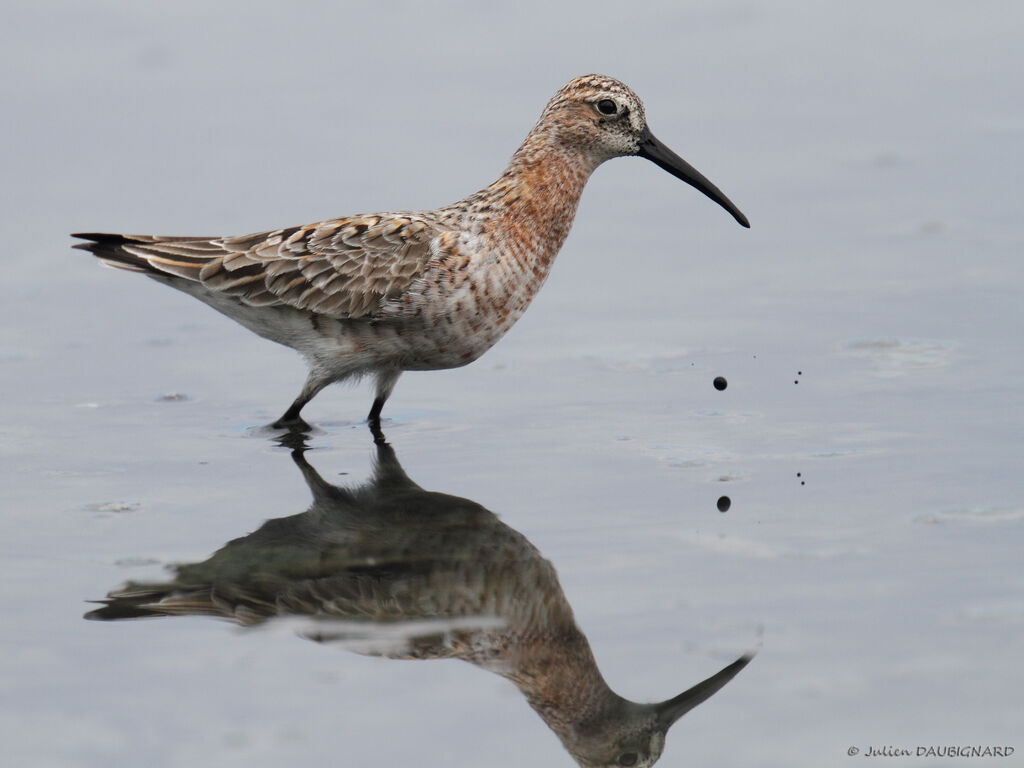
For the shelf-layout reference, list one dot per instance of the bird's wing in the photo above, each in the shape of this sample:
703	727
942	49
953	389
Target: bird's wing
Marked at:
344	268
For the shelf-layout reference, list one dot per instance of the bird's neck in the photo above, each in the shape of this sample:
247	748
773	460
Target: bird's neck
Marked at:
562	683
546	656
532	205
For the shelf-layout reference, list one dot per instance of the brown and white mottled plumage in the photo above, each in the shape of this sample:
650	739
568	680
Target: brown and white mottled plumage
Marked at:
390	292
387	568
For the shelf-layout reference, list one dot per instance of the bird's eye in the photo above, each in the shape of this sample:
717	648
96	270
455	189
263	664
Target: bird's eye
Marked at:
627	758
607	107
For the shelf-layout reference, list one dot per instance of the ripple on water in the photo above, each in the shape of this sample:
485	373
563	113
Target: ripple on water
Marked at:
898	357
684	456
981	515
136	562
1000	610
632	362
113	506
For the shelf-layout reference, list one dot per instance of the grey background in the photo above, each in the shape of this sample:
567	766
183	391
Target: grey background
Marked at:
876	148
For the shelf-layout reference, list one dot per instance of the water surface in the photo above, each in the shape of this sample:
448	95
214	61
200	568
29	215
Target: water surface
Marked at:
867	325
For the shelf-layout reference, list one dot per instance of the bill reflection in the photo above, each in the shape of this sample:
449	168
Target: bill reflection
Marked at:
389	569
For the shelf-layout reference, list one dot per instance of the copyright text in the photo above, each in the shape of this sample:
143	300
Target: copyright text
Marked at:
932	751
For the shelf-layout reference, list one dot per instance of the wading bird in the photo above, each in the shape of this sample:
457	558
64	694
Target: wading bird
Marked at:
379	294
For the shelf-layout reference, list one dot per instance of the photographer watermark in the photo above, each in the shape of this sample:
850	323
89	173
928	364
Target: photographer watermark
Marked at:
974	750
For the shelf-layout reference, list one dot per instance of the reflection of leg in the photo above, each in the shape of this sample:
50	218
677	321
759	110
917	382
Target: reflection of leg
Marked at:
387	470
385	383
309	390
311	476
323	492
295	435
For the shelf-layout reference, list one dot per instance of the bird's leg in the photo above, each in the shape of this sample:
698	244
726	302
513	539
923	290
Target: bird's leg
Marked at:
385	383
290	418
374	416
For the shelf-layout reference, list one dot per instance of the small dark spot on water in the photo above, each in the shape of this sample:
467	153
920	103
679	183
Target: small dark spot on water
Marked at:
724	502
173	397
720	383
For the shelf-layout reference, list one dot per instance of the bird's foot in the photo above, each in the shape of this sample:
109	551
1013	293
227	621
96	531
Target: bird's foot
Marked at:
289	433
374	424
294	424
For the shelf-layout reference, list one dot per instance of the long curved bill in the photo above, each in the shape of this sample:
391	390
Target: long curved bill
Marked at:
669	711
660	155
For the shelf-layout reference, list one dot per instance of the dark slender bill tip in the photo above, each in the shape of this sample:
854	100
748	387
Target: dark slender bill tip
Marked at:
662	156
670	711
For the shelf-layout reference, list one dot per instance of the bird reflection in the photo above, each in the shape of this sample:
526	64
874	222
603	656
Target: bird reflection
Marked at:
389	569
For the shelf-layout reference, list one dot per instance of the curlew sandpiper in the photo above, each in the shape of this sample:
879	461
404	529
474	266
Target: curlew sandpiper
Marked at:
379	294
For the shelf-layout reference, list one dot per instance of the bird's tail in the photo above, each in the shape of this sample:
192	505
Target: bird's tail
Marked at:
157	256
132	601
110	250
141	601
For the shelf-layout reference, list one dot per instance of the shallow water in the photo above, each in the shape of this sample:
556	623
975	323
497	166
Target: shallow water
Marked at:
868	326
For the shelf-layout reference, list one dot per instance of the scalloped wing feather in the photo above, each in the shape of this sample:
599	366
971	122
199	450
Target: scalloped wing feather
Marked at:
344	268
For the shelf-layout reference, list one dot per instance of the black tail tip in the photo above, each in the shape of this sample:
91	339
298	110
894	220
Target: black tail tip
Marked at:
115	610
99	237
100	243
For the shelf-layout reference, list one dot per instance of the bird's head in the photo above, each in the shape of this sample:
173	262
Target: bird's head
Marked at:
602	118
625	734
